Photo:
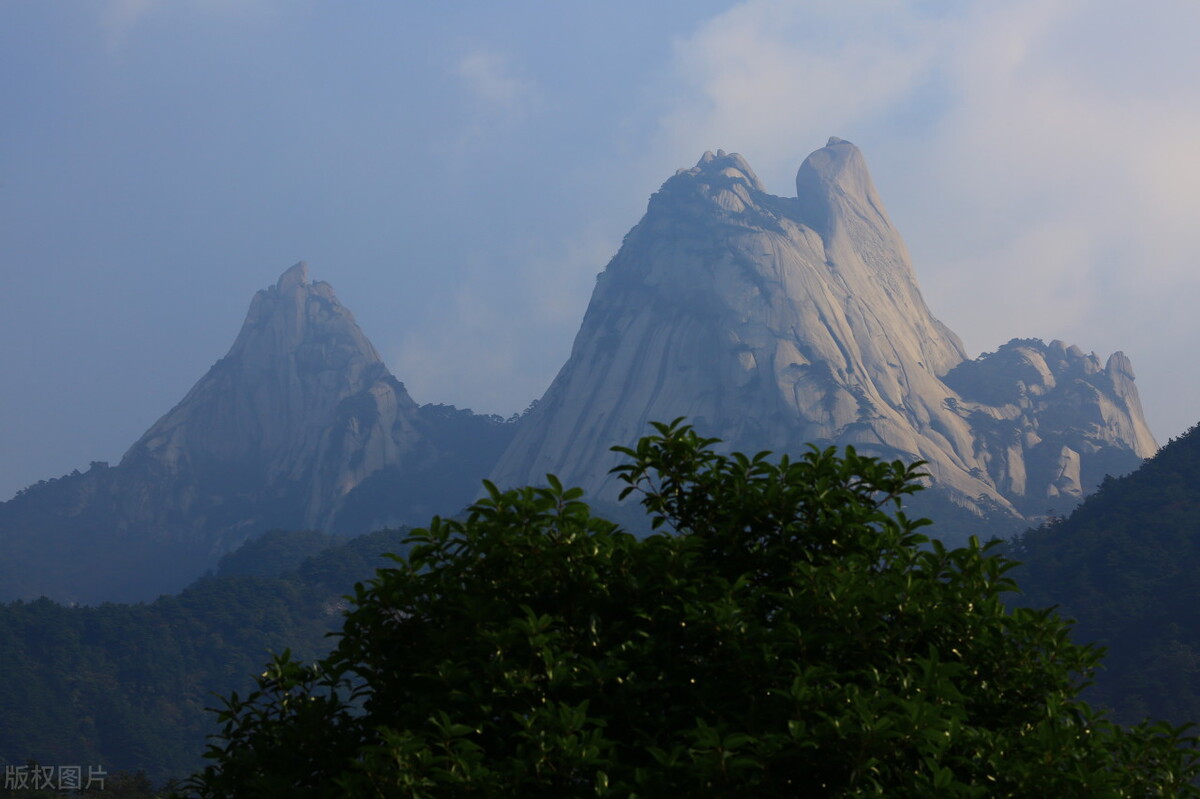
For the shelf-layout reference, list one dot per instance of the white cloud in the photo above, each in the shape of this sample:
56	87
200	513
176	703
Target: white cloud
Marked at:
489	77
498	100
1040	131
119	17
497	91
769	79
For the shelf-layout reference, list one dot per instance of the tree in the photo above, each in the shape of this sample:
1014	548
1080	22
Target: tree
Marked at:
787	632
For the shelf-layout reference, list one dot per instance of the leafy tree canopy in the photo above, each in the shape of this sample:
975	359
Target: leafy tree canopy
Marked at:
788	633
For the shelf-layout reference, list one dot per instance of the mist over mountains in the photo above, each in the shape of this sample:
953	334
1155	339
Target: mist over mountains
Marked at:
769	322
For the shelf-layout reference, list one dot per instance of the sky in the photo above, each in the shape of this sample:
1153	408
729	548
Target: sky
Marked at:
461	172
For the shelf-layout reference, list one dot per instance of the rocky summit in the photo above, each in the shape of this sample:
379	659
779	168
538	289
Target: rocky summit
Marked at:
774	322
301	407
299	426
768	322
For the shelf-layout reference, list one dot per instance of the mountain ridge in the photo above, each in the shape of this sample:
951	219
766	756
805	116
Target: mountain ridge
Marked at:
773	322
299	426
768	322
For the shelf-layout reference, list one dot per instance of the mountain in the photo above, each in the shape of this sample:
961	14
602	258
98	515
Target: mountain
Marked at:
769	322
299	426
1124	566
773	322
126	686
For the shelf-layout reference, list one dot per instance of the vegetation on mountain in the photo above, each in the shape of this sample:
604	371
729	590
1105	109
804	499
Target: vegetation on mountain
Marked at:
274	553
789	632
1125	566
125	687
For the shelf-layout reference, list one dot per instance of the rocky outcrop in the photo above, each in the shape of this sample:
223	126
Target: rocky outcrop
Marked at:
1050	422
301	409
773	322
770	322
299	426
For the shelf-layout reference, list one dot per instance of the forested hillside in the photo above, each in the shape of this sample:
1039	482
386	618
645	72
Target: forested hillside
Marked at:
1126	565
125	686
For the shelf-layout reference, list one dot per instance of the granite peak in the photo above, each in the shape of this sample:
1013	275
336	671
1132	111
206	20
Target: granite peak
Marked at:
772	323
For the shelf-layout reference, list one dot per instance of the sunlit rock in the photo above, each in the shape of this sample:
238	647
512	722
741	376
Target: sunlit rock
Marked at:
773	322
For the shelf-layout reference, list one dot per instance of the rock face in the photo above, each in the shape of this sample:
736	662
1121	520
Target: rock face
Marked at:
1050	422
299	426
773	322
302	409
768	322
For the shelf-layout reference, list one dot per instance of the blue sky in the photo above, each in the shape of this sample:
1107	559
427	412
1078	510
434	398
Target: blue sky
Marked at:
460	172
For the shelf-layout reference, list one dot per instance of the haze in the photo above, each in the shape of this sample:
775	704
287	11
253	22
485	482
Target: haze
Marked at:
461	172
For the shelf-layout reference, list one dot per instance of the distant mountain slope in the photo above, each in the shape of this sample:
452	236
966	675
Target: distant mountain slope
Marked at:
1126	565
773	322
300	425
769	322
126	686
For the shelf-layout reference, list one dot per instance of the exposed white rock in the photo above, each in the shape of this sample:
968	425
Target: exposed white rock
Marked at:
774	322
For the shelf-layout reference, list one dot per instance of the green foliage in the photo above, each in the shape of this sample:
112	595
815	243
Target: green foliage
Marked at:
788	633
1124	564
274	553
126	686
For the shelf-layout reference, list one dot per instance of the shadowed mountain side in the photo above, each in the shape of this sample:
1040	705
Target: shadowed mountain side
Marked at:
127	685
1125	566
299	426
